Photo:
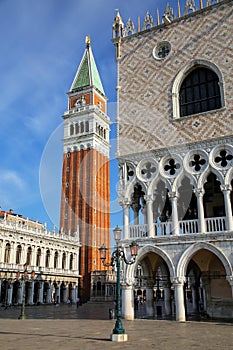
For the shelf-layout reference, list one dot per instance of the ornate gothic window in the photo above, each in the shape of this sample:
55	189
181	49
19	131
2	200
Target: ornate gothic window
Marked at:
199	92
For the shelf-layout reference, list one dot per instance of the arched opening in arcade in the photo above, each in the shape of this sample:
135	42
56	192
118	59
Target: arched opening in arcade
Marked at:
213	199
207	293
153	295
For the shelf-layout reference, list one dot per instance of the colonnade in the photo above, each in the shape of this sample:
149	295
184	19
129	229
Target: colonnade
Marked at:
36	291
148	214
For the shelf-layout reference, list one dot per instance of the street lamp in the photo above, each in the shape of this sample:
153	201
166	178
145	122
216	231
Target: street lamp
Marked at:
24	278
118	333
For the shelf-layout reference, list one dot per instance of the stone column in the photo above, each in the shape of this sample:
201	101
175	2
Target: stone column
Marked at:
200	209
179	298
175	223
136	207
20	292
23	254
9	293
150	299
13	253
72	294
167	299
30	293
58	294
49	294
127	302
41	292
149	210
126	219
33	259
65	293
226	189
3	250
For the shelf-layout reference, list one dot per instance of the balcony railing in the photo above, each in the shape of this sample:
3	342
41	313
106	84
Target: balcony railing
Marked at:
213	225
38	229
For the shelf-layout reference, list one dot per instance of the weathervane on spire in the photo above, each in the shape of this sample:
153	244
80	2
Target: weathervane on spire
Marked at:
88	40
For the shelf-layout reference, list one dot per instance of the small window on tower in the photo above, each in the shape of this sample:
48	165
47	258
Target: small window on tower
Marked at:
67	184
67	169
71	129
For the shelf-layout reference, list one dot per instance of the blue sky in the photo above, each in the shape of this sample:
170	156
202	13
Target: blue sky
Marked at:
42	43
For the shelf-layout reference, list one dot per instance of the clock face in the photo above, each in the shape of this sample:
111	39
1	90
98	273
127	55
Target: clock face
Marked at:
162	50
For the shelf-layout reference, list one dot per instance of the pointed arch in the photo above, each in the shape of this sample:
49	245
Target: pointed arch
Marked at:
188	254
203	177
142	253
181	76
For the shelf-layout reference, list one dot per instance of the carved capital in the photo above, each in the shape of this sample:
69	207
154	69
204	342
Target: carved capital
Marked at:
173	195
148	198
179	280
199	192
225	188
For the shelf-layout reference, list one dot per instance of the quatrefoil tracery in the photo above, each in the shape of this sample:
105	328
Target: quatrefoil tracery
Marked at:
148	170
223	158
171	166
197	163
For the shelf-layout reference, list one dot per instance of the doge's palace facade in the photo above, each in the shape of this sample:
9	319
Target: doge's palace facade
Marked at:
175	155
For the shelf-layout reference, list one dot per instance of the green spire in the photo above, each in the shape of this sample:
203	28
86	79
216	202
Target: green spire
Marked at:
87	73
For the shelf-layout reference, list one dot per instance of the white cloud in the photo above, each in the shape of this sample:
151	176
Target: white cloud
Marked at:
11	178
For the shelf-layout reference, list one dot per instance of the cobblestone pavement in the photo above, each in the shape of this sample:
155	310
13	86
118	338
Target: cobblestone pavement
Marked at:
72	333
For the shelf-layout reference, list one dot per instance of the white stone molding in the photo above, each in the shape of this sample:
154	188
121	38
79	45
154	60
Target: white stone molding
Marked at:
226	189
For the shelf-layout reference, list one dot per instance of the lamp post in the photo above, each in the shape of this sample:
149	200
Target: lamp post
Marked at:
24	279
118	333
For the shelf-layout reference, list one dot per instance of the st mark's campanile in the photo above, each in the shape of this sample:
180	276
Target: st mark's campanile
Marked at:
85	199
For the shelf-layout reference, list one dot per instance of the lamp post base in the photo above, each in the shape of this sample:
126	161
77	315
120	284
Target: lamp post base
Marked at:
119	337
